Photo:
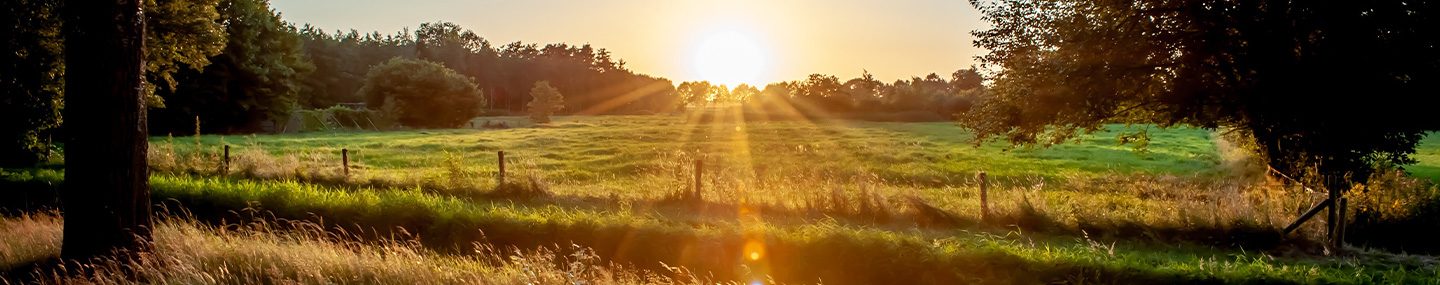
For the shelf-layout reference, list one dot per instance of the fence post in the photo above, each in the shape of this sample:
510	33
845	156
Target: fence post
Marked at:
501	174
699	166
1334	209
225	165
1340	225
984	198
345	161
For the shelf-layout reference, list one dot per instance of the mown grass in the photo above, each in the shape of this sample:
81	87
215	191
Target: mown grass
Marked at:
825	249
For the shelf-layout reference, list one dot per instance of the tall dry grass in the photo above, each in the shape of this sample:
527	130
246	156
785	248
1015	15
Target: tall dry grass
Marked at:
1244	210
28	238
259	252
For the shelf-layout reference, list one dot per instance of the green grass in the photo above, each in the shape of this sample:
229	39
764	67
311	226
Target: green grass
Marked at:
845	202
1428	155
587	149
793	250
856	170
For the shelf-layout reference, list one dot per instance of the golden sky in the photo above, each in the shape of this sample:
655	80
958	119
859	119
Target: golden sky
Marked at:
679	39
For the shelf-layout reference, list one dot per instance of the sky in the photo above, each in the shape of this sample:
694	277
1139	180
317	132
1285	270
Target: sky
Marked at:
727	42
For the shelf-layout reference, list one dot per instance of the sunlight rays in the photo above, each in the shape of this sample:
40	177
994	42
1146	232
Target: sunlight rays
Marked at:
627	98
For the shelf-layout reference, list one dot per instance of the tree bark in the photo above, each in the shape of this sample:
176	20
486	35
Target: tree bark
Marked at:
106	194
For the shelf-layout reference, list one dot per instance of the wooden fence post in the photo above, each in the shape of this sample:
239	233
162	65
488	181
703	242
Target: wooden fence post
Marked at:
1332	226
501	175
345	161
699	165
1340	225
984	198
225	164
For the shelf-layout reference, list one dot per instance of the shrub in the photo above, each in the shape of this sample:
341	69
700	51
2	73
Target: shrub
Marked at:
1387	211
547	100
420	93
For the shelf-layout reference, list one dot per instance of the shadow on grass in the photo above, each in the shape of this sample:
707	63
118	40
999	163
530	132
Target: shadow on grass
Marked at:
27	270
34	195
843	256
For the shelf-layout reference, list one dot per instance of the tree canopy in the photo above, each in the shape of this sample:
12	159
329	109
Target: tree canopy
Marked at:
547	101
422	93
31	73
596	82
179	34
1332	86
257	77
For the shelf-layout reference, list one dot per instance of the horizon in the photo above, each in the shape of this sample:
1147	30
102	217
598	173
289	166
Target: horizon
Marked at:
782	41
617	142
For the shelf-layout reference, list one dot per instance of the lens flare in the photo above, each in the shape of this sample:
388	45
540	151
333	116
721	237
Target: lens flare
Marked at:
754	250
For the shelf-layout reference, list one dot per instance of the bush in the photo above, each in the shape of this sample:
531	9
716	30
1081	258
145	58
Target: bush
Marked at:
421	93
547	101
1390	208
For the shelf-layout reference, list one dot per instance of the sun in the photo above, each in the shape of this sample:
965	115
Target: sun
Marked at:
729	58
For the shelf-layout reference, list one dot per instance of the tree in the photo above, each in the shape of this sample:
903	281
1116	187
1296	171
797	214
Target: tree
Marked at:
775	97
720	94
423	93
743	92
339	70
823	93
865	90
256	78
966	79
1268	70
341	61
31	70
695	93
547	101
447	43
106	192
179	34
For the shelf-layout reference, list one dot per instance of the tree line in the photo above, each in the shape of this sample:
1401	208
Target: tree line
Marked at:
820	93
593	80
234	65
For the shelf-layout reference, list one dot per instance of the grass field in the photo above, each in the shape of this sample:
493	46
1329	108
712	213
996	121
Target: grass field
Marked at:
1428	155
793	251
614	152
840	201
614	149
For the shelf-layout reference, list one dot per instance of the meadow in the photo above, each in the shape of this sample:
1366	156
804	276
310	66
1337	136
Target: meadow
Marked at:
840	202
600	155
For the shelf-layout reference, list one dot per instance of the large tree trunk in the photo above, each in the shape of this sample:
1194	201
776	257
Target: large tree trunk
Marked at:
106	192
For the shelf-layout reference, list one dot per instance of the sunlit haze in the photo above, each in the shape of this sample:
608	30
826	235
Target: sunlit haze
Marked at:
729	58
726	42
845	142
